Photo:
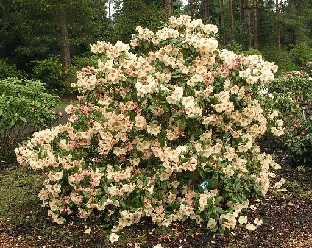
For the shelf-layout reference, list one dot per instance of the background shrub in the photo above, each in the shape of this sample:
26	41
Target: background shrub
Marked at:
281	57
8	70
288	94
57	79
301	54
24	108
300	142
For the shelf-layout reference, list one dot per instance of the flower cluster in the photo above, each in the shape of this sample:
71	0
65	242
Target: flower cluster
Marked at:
165	129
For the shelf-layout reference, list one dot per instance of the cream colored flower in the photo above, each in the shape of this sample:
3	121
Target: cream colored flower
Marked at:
113	237
242	219
251	227
211	223
258	222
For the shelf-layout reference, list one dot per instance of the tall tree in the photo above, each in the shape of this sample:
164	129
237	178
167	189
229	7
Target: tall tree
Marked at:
133	13
255	21
64	39
277	28
205	9
45	28
231	16
192	8
247	22
221	20
168	6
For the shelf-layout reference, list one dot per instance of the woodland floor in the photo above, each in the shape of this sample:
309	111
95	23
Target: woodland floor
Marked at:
287	217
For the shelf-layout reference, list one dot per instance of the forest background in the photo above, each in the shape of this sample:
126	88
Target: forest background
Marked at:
50	40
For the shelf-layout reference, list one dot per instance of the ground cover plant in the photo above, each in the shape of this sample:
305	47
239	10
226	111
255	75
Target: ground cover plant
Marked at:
166	128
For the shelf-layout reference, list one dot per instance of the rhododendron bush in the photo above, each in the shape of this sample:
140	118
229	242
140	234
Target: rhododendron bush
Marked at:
165	128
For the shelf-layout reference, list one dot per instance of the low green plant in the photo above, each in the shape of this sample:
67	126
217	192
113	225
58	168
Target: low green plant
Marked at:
8	70
301	54
300	142
25	107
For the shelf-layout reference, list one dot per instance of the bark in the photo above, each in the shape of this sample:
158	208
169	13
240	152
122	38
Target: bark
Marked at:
221	20
241	7
278	28
247	21
191	4
255	18
64	40
231	20
205	9
168	6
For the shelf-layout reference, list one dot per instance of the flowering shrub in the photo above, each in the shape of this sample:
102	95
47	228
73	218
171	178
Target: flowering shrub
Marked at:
300	142
25	107
165	128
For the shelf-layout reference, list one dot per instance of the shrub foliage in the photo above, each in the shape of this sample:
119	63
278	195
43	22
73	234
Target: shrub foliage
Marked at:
24	108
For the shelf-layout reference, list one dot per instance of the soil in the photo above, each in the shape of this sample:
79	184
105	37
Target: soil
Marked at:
287	217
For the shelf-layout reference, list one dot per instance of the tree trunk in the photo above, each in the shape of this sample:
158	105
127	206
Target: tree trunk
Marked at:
278	28
221	20
247	21
64	40
255	19
168	6
231	20
191	5
205	9
241	7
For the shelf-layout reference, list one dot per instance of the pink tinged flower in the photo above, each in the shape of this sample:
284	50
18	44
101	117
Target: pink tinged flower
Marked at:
66	199
60	113
122	158
87	230
73	143
85	110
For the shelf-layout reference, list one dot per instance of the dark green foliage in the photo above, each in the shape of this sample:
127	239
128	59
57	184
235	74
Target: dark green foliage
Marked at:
281	57
30	30
135	13
288	94
8	70
56	78
300	142
301	54
24	108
